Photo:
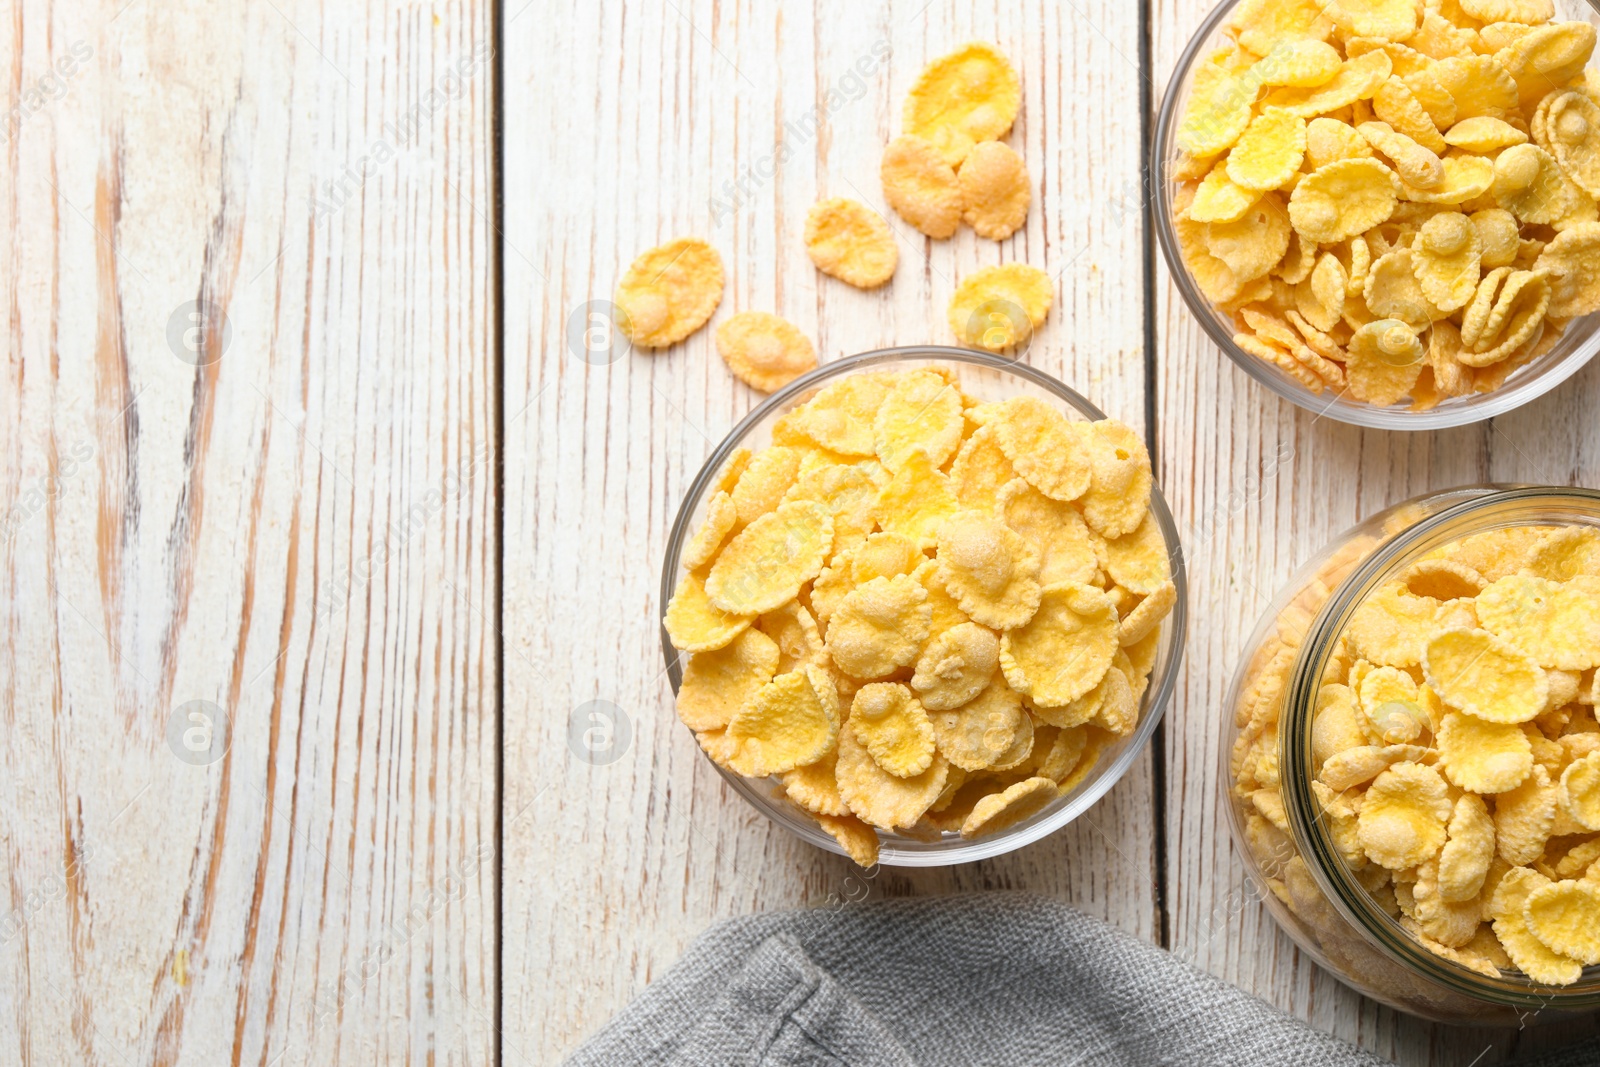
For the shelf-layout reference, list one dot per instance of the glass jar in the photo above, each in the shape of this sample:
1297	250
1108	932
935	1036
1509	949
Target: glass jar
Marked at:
1354	922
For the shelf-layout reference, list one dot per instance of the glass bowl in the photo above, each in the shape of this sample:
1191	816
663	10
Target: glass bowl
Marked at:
1300	875
1579	342
985	377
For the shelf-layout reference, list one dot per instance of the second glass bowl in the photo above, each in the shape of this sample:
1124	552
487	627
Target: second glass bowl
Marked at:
985	377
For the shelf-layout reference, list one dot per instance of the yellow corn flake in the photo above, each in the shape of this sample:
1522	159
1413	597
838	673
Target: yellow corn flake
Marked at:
894	727
1556	624
917	500
1465	178
840	417
858	840
848	240
1358	79
795	632
1064	650
1005	809
764	481
1336	726
1468	851
1416	166
1484	676
1566	552
995	192
696	625
850	493
1483	135
1320	298
1483	757
1478	84
768	561
981	732
1356	766
1055	529
1442	579
1269	151
1329	140
1044	447
1303	63
1264	25
1530	184
1120	482
921	413
1565	917
669	292
1393	20
1572	125
717	684
1531	955
791	721
946	612
968	96
1393	292
999	308
1572	264
1403	817
879	626
1142	621
981	470
815	788
1580	790
1392	705
921	186
1531	12
1339	200
1385	360
1117	710
992	571
1524	818
1218	110
1446	258
1138	561
1550	55
1398	107
764	351
1218	199
879	798
955	666
721	516
884	555
1450	923
1212	275
1254	243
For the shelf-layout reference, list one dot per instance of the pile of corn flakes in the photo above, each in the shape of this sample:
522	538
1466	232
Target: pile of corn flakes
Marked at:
1455	751
1394	200
923	613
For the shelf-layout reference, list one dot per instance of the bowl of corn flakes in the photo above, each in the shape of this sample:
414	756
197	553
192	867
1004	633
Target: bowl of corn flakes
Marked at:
1385	211
923	606
1412	761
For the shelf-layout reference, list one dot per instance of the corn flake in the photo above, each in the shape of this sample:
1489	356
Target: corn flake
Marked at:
1119	488
955	666
1565	917
1556	624
669	292
999	308
1483	757
1262	26
791	721
767	562
921	413
848	240
764	351
990	569
1342	199
1218	199
879	626
858	840
1468	851
877	797
1065	649
1270	150
921	186
717	684
1254	243
697	625
1524	818
960	99
1385	360
1403	817
1571	262
995	192
721	516
981	732
1531	955
1580	790
1009	807
894	727
815	788
1446	258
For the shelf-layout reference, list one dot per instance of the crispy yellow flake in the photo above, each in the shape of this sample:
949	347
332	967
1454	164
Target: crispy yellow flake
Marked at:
1478	84
1442	579
1524	818
946	612
1065	648
764	351
764	481
1529	183
717	684
697	625
1484	676
921	413
884	555
1117	711
840	417
1580	791
1449	922
1483	757
768	561
1004	809
1358	79
981	470
1392	705
1385	359
795	632
877	797
1392	20
1218	199
894	727
1572	264
815	788
879	626
1329	140
1556	624
1320	298
1465	178
1396	105
1045	447
1212	275
917	500
1138	561
1054	528
1217	112
669	292
1565	917
1269	151
1403	817
850	493
1548	56
1445	259
1393	292
1339	200
1484	134
1142	621
1303	63
1532	956
999	308
960	99
992	571
1566	552
1254	243
982	732
1120	482
1468	851
1572	125
858	840
791	721
848	240
1263	25
921	186
1356	766
994	190
955	666
721	516
1337	724
1416	166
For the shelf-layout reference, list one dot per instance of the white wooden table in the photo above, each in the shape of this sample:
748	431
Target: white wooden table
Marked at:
291	429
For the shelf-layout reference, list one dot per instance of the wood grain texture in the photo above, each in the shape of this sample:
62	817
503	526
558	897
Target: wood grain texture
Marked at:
625	141
299	529
1259	485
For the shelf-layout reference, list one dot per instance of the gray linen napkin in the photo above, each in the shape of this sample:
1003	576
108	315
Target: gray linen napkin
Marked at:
993	979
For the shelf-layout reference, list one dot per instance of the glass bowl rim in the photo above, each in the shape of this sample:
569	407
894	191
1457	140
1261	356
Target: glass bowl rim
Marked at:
1480	407
948	851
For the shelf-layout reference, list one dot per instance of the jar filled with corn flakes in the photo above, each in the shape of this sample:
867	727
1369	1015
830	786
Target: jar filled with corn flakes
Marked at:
1412	759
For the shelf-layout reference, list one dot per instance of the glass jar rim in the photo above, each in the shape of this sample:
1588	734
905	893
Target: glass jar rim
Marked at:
1328	868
